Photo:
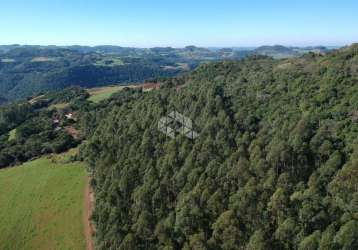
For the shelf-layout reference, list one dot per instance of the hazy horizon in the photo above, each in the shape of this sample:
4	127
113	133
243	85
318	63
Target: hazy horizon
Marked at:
181	47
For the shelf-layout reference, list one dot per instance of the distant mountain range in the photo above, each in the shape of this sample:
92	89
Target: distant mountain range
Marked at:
119	50
279	51
27	70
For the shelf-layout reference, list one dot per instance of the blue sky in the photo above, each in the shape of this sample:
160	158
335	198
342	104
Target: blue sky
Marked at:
178	23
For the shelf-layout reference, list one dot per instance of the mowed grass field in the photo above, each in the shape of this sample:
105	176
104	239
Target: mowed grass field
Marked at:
100	94
42	206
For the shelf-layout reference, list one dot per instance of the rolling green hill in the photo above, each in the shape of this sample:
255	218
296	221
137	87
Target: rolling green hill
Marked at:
41	206
29	70
274	166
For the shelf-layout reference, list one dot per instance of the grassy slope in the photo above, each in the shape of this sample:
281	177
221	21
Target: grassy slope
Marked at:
100	94
41	206
12	134
58	106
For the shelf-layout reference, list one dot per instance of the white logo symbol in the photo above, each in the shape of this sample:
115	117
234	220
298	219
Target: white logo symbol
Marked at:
175	123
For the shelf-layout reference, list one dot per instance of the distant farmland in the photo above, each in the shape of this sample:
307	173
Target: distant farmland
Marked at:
99	94
41	206
102	93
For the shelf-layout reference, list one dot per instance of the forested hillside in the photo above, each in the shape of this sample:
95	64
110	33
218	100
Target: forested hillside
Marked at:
29	70
279	51
33	128
275	165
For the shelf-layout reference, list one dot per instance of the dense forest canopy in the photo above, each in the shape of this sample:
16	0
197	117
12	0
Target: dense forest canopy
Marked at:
275	165
29	70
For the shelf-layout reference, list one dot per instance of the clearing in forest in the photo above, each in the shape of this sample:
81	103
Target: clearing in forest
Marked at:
102	93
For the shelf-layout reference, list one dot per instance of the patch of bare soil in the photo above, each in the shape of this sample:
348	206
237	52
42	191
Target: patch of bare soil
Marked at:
89	202
73	132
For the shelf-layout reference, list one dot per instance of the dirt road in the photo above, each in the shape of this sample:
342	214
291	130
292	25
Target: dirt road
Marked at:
88	204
